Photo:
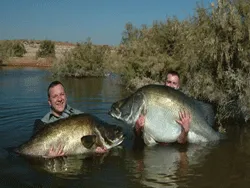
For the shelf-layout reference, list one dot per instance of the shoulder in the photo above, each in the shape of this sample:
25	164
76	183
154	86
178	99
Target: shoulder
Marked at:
47	118
73	111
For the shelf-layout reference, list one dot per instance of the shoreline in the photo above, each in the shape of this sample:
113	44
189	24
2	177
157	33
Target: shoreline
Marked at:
26	65
28	62
30	59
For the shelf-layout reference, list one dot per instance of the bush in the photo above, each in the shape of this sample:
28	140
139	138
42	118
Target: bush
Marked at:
11	49
46	49
18	49
85	59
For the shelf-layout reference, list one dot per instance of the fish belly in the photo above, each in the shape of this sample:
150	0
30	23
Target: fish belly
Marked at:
161	125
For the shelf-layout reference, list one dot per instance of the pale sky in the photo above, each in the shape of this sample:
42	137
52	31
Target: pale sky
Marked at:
76	20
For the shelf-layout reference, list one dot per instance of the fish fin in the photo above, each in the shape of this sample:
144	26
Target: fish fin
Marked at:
148	140
207	110
144	110
88	141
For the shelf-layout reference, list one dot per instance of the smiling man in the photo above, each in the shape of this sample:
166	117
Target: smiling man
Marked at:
57	100
59	109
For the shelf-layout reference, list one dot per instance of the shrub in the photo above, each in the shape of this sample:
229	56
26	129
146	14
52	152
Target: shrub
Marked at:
46	49
85	59
18	49
11	49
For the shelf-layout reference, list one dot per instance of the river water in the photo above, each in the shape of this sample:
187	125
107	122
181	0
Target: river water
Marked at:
23	99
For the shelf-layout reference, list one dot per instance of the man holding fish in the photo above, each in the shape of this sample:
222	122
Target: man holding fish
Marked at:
173	80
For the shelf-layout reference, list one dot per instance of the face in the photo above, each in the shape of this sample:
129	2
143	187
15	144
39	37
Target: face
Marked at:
57	99
173	81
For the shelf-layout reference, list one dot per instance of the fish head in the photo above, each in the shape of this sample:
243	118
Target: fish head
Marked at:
128	109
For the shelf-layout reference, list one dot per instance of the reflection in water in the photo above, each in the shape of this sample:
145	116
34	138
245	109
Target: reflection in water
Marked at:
165	166
72	166
243	144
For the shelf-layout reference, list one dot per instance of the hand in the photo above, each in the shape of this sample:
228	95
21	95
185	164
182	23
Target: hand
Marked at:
55	153
101	150
185	120
139	124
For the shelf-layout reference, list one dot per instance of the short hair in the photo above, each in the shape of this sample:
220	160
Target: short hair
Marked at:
175	73
53	84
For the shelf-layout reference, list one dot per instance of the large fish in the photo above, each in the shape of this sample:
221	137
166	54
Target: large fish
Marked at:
161	106
77	134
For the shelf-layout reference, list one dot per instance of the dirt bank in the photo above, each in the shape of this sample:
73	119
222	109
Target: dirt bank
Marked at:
29	59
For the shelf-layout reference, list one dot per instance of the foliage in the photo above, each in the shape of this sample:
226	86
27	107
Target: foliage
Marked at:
18	49
46	49
85	59
13	48
219	68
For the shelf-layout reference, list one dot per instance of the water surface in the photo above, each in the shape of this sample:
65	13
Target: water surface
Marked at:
23	98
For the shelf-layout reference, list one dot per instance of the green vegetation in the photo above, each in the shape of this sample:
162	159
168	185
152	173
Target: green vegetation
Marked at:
46	49
84	60
11	49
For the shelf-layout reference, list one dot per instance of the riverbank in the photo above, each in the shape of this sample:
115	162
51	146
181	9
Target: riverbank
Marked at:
29	59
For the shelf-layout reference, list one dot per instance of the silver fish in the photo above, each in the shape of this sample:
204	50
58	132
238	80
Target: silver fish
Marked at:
161	106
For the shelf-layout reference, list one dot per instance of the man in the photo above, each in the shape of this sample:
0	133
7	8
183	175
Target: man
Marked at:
173	80
59	109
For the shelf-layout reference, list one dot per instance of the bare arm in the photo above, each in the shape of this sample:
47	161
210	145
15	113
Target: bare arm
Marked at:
139	125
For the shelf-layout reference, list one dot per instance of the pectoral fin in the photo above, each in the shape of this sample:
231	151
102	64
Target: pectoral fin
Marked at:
148	139
88	141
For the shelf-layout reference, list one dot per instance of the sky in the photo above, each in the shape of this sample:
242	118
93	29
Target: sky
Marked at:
76	20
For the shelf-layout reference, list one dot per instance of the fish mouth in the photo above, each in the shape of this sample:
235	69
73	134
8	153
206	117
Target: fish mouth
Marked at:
110	135
116	138
115	112
116	141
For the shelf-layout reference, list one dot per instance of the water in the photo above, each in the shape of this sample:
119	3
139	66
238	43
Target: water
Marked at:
23	99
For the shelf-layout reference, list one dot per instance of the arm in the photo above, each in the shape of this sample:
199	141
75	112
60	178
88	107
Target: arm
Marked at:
138	141
184	122
59	152
139	124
